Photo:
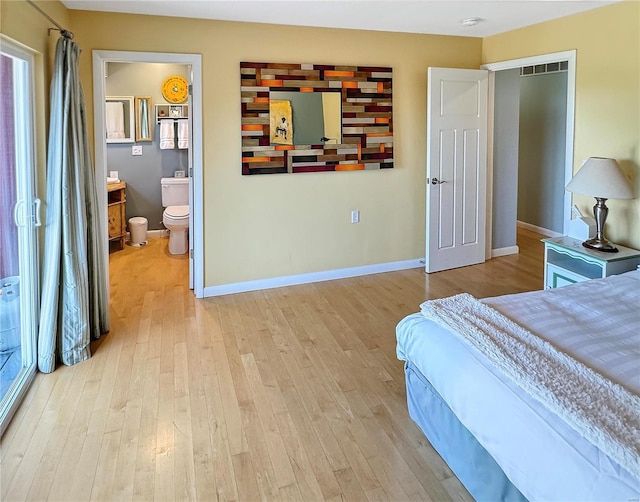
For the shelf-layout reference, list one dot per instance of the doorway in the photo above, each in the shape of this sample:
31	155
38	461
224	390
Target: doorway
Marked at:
101	61
502	188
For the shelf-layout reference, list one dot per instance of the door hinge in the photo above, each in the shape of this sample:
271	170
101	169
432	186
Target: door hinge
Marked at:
191	254
191	172
190	89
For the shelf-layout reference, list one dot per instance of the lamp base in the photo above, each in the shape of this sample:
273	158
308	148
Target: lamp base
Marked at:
600	245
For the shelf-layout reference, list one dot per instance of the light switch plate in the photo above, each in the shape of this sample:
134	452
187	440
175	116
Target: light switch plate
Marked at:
136	150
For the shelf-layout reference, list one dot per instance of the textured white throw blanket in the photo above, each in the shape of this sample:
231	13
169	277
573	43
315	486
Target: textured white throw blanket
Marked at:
602	411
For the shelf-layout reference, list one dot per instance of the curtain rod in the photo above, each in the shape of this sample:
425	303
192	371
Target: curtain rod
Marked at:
64	32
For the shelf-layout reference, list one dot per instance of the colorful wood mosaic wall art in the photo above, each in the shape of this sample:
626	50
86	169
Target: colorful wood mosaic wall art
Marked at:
367	118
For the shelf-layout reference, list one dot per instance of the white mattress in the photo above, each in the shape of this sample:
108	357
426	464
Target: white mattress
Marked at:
597	321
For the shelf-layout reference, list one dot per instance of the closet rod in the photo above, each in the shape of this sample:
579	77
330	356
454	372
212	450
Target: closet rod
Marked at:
65	33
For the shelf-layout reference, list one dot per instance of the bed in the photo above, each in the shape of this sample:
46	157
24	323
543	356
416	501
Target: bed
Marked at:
499	436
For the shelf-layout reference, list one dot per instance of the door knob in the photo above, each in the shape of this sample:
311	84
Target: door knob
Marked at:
436	181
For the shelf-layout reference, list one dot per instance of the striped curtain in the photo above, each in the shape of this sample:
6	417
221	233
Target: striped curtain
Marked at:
74	306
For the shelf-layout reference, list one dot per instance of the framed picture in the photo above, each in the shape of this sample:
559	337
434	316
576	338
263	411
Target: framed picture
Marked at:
303	118
175	111
144	128
119	115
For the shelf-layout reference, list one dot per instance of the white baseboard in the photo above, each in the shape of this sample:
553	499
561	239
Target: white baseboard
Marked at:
504	251
151	233
294	280
540	230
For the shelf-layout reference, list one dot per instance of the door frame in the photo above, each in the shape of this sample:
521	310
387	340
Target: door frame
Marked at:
570	57
100	59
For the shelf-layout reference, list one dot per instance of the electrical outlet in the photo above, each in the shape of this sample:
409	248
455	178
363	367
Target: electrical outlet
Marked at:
355	216
136	150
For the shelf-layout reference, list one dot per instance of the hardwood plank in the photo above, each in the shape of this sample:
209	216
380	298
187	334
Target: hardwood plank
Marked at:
224	479
205	488
305	480
144	473
245	477
165	438
72	450
106	465
273	440
25	476
49	462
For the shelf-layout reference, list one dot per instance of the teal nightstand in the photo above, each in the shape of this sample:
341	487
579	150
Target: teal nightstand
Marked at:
567	261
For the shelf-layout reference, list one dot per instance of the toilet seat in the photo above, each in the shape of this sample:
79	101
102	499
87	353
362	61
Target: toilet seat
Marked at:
177	212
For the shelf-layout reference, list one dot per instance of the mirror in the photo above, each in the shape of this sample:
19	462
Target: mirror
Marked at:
144	125
305	118
119	116
302	118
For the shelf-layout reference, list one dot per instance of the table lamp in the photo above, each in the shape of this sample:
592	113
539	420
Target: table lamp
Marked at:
603	179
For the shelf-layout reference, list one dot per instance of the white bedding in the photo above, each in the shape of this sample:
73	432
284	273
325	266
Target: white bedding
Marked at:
546	459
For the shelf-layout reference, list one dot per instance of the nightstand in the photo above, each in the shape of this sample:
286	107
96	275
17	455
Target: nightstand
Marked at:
567	261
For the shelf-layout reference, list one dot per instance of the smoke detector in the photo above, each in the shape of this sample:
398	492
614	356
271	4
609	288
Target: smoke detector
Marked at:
470	21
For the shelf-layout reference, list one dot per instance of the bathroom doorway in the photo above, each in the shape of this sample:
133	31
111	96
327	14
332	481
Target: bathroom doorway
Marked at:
191	163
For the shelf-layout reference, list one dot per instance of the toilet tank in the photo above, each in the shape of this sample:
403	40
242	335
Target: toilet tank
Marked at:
175	191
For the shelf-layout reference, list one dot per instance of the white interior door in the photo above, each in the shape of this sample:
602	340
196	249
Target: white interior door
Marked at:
456	168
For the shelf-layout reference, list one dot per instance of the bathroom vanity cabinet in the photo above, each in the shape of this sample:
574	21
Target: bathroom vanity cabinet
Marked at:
116	199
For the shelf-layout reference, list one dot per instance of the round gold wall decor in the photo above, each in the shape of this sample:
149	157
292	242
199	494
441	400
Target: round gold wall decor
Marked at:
175	89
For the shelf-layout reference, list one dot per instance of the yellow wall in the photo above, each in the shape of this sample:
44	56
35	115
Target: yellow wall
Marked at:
607	41
258	227
268	226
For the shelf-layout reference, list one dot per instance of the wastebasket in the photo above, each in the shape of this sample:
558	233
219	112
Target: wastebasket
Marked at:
138	231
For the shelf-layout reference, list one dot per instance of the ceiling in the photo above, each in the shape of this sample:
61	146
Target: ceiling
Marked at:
439	17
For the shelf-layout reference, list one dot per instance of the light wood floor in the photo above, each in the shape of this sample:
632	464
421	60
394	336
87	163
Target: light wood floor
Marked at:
285	394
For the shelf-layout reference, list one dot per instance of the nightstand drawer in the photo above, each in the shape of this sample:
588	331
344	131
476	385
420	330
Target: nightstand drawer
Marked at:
558	277
578	265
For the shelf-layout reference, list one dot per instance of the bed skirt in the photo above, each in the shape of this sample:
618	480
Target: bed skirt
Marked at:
471	463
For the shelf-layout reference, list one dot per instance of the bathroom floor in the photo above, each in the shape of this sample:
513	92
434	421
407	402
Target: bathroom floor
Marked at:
136	271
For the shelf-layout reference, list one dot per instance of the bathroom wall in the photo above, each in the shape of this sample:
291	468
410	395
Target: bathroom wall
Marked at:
142	173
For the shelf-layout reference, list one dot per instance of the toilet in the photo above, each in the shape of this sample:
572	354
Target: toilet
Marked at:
175	200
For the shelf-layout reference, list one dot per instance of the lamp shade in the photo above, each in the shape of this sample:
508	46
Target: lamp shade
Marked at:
601	177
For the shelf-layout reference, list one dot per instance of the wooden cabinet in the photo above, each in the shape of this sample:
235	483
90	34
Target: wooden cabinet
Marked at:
116	199
567	261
